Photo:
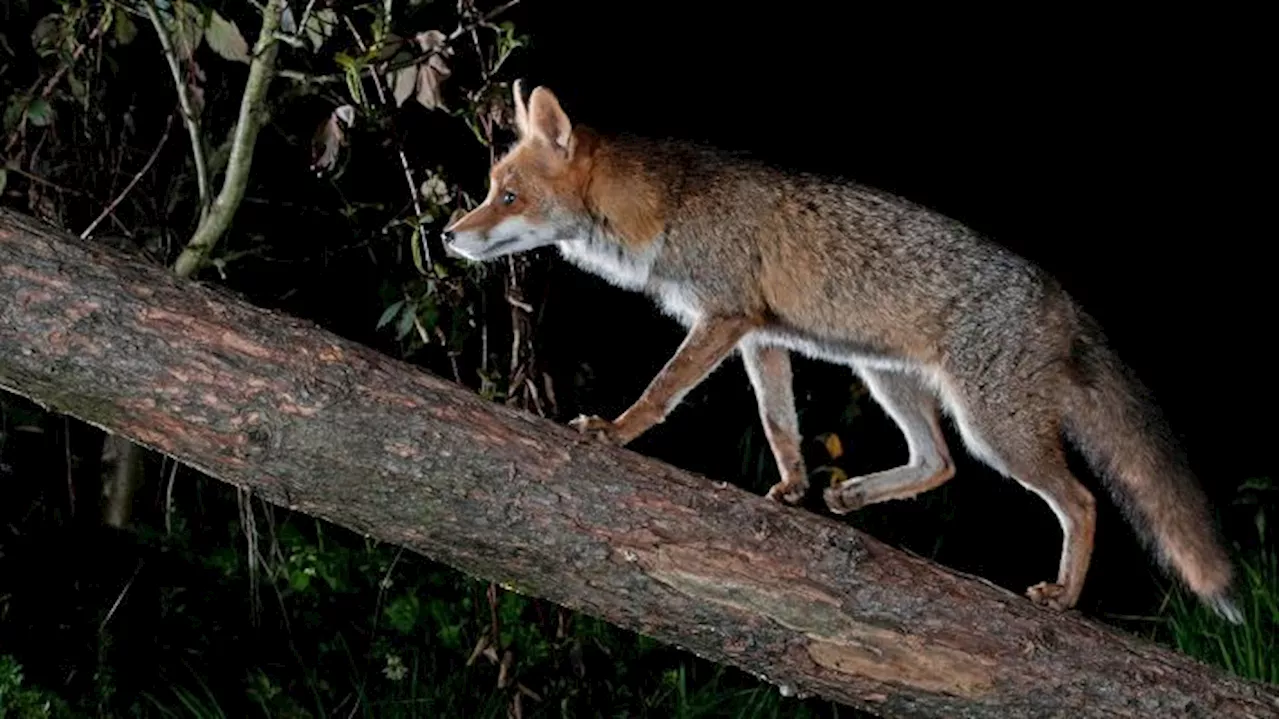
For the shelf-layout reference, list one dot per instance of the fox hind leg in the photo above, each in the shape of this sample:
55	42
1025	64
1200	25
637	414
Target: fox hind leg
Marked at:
1026	446
769	369
914	408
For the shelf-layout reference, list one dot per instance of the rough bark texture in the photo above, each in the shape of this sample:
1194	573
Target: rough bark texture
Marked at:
333	429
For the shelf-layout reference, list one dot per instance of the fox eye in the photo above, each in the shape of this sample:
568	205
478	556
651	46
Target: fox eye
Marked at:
508	197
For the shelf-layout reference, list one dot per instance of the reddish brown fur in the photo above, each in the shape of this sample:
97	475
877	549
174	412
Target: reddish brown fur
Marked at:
929	313
619	190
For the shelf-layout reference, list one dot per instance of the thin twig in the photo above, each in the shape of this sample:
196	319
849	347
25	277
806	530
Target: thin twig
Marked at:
485	19
120	597
244	501
168	500
75	55
461	30
215	223
66	443
58	75
377	612
189	116
147	166
48	183
306	17
404	159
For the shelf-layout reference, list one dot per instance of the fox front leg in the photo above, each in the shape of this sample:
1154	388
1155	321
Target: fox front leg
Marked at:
709	341
769	369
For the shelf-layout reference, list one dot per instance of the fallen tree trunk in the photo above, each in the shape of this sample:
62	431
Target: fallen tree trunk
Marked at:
327	427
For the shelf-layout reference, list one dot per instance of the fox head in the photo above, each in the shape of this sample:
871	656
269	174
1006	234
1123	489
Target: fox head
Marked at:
536	192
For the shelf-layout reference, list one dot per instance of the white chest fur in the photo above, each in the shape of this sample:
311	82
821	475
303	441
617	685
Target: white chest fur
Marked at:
631	270
611	260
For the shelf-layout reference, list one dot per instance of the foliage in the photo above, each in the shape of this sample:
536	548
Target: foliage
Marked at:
19	702
1249	649
377	129
213	604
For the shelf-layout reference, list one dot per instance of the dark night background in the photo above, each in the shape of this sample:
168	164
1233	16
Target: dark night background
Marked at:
1122	150
1119	149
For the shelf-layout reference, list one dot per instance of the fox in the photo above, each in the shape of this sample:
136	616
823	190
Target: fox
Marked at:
936	319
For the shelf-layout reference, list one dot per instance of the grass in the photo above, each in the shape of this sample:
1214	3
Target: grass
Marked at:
1248	649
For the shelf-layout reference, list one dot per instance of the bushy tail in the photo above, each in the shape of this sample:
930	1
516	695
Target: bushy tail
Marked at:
1113	420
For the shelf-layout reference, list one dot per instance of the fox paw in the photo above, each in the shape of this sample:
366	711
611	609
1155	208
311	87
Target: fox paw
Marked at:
842	499
603	429
788	491
1051	595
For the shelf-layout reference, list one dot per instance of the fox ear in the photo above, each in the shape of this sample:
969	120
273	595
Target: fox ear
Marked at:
547	121
522	110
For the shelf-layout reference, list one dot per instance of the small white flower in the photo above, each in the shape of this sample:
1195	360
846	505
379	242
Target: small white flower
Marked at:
395	670
434	189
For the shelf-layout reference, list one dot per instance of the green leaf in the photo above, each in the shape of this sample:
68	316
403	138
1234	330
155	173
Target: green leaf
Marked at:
186	29
405	325
225	39
415	246
78	89
13	112
4	179
351	73
39	112
126	31
430	315
299	580
45	34
390	314
450	636
402	613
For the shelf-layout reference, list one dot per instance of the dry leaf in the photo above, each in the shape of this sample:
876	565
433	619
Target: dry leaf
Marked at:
195	87
831	441
431	75
835	475
431	40
330	137
495	106
225	39
196	93
320	26
433	72
405	80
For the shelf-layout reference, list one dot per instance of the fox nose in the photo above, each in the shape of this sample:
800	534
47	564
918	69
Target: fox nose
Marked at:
446	235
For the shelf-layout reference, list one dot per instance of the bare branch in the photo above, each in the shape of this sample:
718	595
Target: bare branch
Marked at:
319	424
189	116
127	188
218	219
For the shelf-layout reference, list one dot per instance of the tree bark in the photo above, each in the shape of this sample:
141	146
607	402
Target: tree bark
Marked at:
333	429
